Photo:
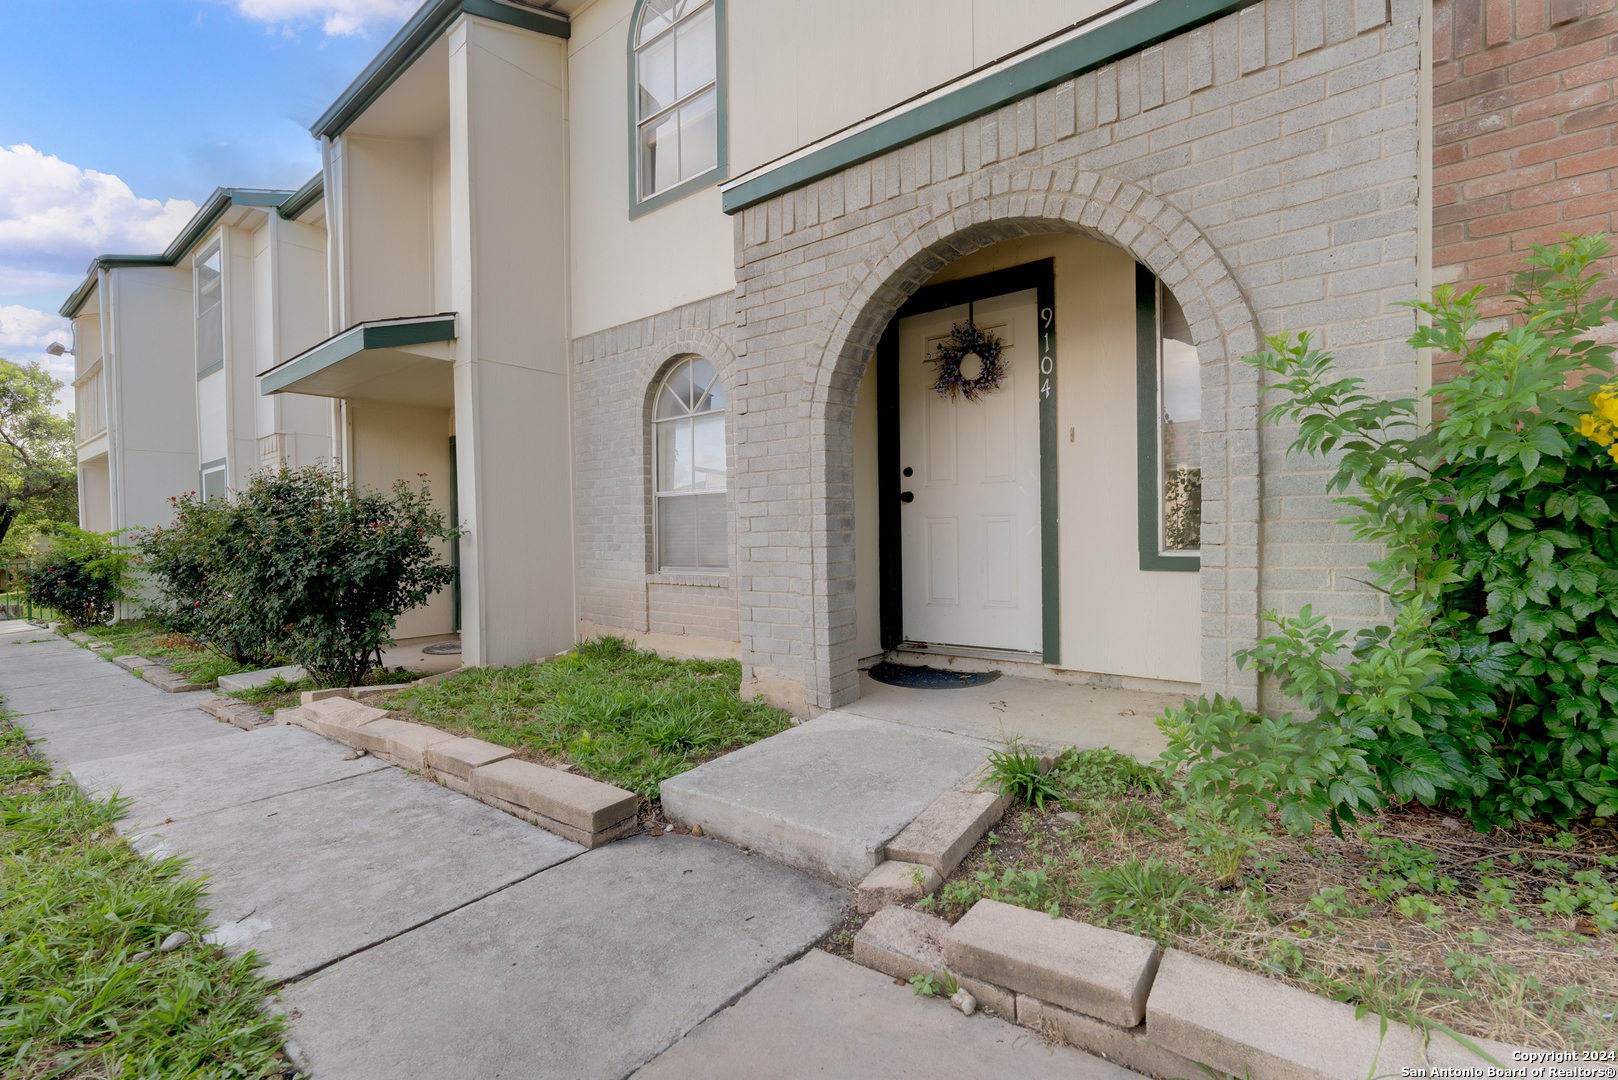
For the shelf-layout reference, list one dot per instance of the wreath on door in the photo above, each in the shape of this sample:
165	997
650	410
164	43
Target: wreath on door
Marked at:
965	342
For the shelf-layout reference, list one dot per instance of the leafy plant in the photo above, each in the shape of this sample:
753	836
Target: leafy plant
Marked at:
193	563
931	985
1150	897
1022	773
83	576
1221	836
38	467
1103	771
1495	686
331	566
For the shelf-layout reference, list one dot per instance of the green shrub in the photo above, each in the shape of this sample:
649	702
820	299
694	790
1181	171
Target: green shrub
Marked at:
83	576
200	592
330	566
1495	687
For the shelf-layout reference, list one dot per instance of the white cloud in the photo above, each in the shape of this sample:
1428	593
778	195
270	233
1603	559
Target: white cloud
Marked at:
55	217
339	18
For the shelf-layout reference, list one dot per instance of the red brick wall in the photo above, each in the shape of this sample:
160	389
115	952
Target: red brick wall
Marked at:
1525	102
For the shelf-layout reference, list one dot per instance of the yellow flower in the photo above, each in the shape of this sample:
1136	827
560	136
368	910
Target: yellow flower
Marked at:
1601	426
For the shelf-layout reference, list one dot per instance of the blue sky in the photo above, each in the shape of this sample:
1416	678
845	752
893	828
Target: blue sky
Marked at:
119	117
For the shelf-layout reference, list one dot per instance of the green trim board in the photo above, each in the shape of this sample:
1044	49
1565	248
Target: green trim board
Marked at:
1146	434
216	463
197	229
716	175
217	365
382	334
1041	277
1111	40
416	37
305	197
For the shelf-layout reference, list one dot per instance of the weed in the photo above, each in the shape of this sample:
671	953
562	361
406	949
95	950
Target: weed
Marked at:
1150	897
1024	888
1020	772
1103	771
930	985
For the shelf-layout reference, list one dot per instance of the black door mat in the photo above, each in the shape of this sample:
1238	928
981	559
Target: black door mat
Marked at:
926	678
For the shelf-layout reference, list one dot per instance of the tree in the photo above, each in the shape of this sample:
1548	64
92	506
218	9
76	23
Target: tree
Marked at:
38	469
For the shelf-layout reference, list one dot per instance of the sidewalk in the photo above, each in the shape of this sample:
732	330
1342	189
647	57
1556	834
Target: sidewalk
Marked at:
419	933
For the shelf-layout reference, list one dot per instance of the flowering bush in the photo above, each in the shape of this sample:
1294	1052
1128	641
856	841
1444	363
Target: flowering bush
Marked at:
199	591
332	567
1496	687
82	576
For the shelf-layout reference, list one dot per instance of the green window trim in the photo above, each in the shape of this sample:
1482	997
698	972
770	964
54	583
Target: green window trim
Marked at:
1146	434
721	170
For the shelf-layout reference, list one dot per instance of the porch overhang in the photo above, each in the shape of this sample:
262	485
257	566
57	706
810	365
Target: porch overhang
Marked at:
408	361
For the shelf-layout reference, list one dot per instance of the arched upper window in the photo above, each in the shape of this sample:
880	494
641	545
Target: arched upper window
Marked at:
688	425
678	74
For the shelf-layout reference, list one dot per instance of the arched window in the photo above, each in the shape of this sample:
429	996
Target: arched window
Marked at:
678	72
688	428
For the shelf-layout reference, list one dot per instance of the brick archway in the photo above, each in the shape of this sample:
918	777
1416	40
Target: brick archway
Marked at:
1007	207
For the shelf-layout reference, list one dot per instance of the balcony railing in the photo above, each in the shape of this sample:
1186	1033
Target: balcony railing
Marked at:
89	406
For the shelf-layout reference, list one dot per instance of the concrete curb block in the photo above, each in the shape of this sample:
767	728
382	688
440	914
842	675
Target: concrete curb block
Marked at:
364	693
170	682
245	716
576	808
1192	1015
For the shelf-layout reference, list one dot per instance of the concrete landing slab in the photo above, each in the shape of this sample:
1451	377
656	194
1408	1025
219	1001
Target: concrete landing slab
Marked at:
311	876
824	1016
142	718
247	680
181	782
1040	712
583	972
825	796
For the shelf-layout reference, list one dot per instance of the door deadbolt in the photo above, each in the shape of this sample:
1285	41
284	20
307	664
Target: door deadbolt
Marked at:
909	471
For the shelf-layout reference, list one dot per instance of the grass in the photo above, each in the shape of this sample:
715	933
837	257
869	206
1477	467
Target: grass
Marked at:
1508	936
621	714
77	906
180	653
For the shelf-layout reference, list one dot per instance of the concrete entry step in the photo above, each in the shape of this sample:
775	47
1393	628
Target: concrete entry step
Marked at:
826	796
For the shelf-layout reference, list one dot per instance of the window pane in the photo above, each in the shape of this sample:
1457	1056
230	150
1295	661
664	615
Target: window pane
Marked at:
702	377
655	65
674	456
677	393
659	155
712	547
708	451
699	135
696	53
657	16
1181	440
677	531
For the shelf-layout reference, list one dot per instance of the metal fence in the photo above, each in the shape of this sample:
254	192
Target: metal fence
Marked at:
14	600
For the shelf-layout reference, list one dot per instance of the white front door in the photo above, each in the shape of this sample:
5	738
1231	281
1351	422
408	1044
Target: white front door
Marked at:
971	532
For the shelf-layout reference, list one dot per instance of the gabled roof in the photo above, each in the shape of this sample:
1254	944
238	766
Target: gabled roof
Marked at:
288	203
413	39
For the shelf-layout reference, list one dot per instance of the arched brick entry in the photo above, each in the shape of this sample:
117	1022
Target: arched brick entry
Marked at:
924	242
1264	166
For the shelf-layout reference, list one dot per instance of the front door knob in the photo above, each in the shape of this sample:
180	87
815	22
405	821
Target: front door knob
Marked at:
905	496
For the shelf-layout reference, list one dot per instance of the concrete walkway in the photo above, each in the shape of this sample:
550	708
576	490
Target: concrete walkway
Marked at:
415	932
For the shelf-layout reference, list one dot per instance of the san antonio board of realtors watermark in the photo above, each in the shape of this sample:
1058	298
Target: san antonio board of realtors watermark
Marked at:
1536	1064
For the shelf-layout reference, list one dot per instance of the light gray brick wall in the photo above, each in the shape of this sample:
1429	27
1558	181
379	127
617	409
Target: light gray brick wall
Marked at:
1264	166
615	373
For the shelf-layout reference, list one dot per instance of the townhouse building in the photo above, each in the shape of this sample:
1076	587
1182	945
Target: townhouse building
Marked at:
655	292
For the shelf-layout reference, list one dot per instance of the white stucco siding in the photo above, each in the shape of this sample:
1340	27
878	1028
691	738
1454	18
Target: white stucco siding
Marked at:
388	220
623	269
152	360
799	72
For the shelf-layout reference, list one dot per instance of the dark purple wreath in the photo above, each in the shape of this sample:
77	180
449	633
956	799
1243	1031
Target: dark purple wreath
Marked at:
964	340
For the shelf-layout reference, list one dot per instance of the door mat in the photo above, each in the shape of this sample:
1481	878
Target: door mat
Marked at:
442	648
926	678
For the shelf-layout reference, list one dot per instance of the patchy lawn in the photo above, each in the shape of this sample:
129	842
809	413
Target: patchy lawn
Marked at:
83	990
621	714
1507	936
182	654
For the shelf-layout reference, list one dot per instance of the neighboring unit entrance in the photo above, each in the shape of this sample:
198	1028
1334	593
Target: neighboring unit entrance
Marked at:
970	523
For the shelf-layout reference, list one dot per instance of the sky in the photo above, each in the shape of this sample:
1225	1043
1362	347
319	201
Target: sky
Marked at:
118	118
